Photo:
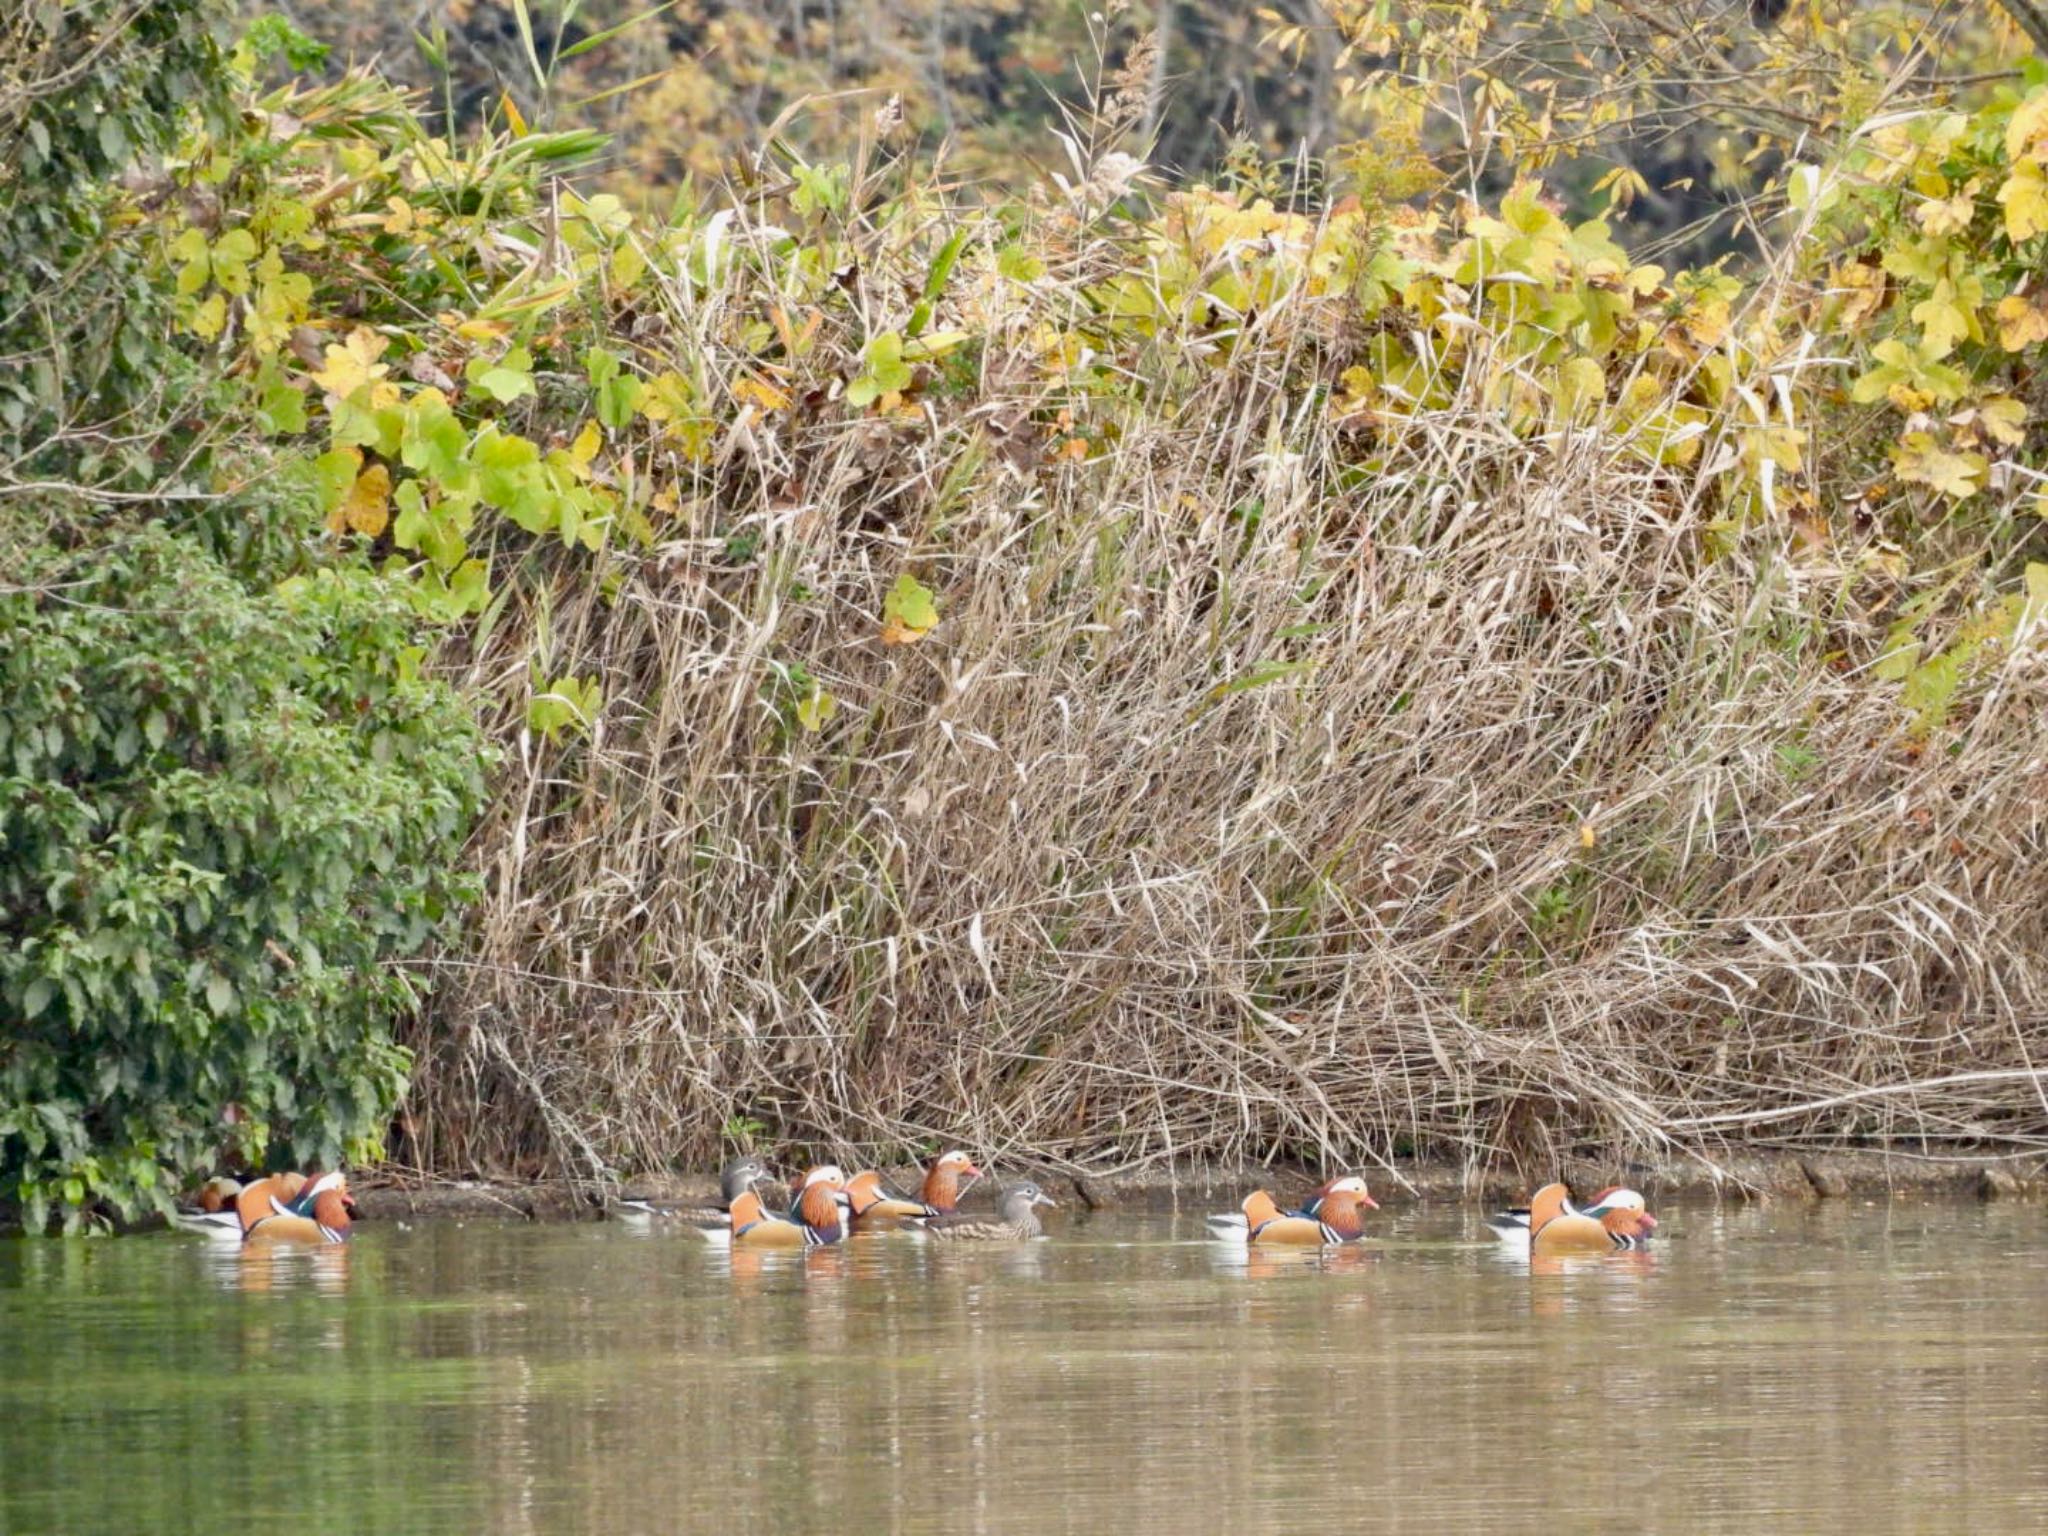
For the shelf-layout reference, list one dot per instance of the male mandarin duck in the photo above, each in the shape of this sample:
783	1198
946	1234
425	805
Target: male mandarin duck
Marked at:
1347	1211
321	1214
736	1178
1017	1222
1512	1226
227	1209
1615	1220
1339	1217
267	1197
819	1217
876	1208
942	1181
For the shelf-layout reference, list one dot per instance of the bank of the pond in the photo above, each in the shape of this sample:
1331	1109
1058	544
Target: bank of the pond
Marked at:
1938	1173
1741	1176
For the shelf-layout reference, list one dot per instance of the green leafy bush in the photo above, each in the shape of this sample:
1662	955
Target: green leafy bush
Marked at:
223	813
90	90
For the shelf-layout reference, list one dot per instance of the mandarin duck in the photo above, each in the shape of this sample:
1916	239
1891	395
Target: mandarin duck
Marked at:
321	1214
1339	1217
1512	1226
819	1217
211	1212
1615	1220
227	1209
1016	1223
877	1208
1347	1210
736	1178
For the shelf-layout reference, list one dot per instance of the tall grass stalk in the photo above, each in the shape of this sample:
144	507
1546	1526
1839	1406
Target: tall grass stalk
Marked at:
1258	792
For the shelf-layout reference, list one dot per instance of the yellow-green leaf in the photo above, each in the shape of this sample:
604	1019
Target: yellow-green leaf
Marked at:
909	612
1918	457
2022	320
816	709
352	364
367	507
2025	199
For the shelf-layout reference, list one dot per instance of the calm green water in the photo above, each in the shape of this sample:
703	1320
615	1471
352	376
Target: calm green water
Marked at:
1858	1367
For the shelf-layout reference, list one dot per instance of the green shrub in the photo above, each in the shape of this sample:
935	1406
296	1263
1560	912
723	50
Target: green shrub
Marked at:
224	813
89	90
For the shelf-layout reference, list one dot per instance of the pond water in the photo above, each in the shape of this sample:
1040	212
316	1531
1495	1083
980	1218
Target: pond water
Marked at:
1855	1366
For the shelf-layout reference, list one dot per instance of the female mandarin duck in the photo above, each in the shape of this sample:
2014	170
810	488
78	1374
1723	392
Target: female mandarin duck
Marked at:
1616	1220
1336	1214
321	1214
819	1217
736	1178
211	1213
1018	1221
875	1208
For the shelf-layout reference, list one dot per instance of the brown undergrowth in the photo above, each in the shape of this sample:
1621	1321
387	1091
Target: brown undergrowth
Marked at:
1250	795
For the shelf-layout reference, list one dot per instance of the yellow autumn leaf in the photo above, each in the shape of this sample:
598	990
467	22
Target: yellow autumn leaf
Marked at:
401	220
1943	320
1859	289
763	396
210	317
2025	198
815	710
1356	388
367	507
2005	419
584	449
1706	320
667	397
471	328
1942	216
352	364
2026	133
1580	386
1919	458
2022	321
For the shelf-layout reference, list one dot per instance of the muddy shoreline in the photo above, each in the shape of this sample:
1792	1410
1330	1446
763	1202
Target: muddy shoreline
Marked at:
1747	1176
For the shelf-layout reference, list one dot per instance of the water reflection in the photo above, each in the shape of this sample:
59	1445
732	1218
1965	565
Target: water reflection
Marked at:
1765	1369
260	1267
1256	1263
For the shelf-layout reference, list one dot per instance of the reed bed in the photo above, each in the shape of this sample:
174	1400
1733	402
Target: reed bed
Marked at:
1257	794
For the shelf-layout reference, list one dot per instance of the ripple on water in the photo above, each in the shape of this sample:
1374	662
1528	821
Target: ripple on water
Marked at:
1867	1367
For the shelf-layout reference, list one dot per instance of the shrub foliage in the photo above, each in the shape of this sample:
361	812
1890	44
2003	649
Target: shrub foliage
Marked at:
226	812
229	799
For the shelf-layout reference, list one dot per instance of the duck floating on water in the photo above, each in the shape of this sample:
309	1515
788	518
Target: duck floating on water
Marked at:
282	1207
321	1214
876	1208
1017	1221
227	1208
736	1178
820	1216
1615	1220
1335	1214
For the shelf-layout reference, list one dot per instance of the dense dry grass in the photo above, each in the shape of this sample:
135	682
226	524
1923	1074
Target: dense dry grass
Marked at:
1559	836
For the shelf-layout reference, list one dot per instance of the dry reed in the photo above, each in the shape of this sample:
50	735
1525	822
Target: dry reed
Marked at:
1247	800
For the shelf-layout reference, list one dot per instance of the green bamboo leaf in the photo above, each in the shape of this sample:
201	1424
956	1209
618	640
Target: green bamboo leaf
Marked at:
519	14
598	39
